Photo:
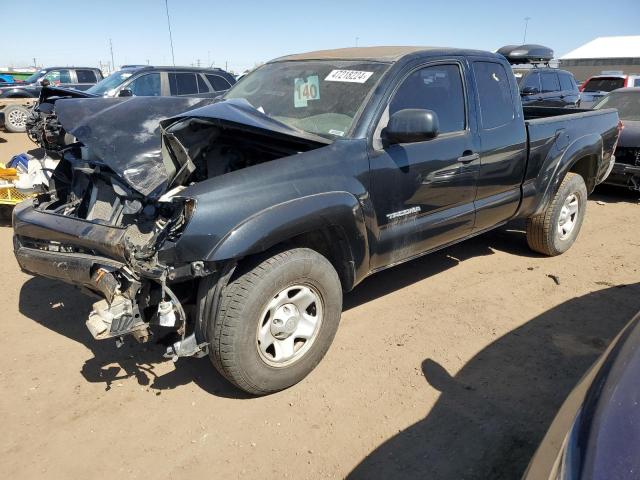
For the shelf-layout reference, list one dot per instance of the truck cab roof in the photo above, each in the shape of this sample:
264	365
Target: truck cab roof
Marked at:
388	54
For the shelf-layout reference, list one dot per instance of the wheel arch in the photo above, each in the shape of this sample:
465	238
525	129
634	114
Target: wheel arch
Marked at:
330	223
582	157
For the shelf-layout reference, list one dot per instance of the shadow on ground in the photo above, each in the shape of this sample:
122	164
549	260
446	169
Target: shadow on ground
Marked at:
63	309
492	414
510	239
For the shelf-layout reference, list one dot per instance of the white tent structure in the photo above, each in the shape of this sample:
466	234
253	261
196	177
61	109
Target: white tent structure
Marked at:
604	54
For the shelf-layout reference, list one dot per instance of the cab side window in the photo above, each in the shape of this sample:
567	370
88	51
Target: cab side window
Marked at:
437	88
146	85
86	76
494	90
183	83
532	82
56	77
567	83
218	83
550	82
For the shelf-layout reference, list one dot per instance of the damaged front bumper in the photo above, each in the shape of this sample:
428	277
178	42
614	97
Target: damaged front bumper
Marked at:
134	295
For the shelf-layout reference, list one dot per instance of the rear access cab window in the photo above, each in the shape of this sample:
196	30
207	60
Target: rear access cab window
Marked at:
494	91
86	76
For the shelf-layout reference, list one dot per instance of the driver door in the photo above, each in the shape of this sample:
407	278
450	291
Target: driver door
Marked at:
423	192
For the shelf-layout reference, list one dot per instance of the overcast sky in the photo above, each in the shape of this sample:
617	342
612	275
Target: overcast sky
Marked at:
246	32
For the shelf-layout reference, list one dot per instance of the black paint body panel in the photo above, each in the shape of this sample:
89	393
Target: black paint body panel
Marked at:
389	203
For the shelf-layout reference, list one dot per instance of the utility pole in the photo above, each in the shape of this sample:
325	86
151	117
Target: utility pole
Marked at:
35	65
113	64
526	24
173	58
226	65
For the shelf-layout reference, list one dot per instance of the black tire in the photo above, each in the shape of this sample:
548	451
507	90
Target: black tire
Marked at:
233	331
543	235
11	115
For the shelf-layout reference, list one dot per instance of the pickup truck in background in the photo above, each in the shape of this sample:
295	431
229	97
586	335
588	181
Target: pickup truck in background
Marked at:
15	103
238	225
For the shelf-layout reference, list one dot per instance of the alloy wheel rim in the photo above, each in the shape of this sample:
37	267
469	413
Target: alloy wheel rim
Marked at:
289	325
568	216
17	118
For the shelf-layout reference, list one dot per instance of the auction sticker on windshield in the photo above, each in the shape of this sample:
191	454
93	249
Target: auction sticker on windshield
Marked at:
305	90
353	76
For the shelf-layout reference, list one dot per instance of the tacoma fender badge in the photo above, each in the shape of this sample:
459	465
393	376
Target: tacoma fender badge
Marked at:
403	213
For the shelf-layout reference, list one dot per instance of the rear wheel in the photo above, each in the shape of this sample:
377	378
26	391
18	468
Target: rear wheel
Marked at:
553	231
15	118
276	321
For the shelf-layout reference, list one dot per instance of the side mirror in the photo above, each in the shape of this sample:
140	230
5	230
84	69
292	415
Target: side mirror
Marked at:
45	82
125	92
529	91
410	125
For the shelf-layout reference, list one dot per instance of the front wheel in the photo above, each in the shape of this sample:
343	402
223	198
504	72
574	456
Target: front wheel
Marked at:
15	118
553	231
276	321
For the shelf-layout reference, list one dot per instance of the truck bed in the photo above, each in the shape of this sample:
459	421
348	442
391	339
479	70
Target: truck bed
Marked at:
556	132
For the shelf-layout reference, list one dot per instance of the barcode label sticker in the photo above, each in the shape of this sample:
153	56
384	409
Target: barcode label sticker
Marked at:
352	76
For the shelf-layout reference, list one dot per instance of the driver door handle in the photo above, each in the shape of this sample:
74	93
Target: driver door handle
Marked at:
468	158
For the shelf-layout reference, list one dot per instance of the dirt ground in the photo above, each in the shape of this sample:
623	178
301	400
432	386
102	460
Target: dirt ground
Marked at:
447	367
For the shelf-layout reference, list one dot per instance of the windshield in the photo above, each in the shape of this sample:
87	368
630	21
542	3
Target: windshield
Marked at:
32	78
112	81
603	84
627	103
320	97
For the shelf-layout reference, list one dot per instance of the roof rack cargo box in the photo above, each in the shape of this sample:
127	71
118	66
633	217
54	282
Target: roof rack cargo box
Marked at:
529	53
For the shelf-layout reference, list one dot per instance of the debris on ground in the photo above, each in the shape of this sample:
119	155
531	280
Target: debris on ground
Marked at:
555	278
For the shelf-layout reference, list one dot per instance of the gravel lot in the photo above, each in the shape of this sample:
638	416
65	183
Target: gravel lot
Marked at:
451	366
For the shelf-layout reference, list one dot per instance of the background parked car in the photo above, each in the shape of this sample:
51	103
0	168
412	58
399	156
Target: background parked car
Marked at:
6	79
540	85
626	170
150	81
547	87
144	81
79	78
598	86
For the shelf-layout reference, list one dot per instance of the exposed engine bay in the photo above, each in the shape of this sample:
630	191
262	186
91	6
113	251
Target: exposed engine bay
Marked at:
117	200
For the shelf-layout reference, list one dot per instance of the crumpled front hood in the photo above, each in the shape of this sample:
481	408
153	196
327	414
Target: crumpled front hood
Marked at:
52	93
124	133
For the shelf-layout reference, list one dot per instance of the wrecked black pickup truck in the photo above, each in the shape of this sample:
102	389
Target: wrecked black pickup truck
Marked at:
240	224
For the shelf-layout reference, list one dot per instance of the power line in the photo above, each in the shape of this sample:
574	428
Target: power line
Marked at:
173	58
113	64
526	24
